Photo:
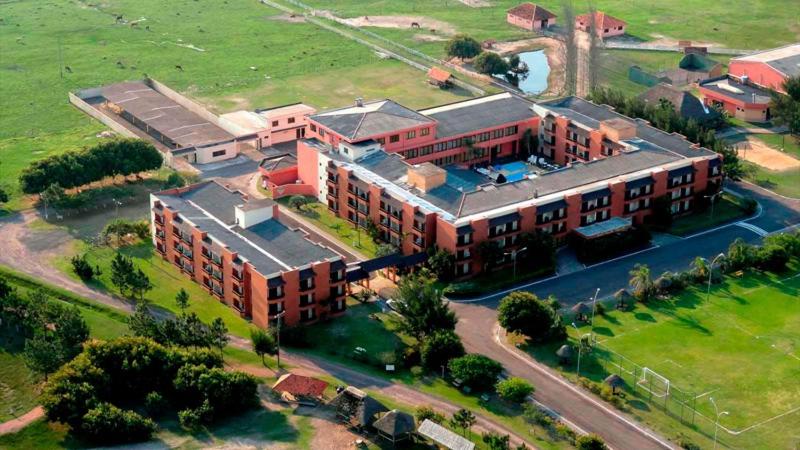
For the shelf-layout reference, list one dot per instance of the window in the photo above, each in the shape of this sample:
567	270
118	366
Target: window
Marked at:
382	141
411	134
219	153
275	292
274	123
425	132
321	132
291	120
394	138
313	127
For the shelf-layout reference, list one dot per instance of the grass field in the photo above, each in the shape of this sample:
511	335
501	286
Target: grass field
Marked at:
768	24
726	209
293	61
741	347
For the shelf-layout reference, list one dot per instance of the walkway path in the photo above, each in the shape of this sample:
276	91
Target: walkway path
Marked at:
14	425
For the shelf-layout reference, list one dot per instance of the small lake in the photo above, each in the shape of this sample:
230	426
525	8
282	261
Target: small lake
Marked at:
538	70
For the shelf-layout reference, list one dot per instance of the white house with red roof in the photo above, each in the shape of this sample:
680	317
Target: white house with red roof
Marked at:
530	17
605	25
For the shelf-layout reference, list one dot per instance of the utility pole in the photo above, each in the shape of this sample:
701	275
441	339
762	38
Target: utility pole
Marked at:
278	353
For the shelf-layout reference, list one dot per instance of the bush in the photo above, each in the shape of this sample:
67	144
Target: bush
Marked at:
439	348
426	412
789	241
565	432
490	63
523	312
194	419
174	180
475	371
155	403
590	442
534	415
410	356
82	268
772	258
515	390
108	425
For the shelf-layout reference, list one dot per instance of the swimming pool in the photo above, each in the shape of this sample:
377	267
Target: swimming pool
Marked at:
513	171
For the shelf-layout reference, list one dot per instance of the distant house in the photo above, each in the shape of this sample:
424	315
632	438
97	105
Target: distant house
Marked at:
767	69
439	77
605	26
692	68
741	100
684	103
530	17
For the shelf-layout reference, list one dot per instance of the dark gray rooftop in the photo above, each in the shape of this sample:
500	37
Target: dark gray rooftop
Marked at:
373	118
476	114
746	92
177	123
684	103
210	207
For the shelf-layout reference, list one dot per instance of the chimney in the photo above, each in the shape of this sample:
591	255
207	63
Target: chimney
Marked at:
359	102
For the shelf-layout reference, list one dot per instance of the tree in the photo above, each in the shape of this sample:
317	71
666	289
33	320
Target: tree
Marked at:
422	306
298	202
571	53
641	282
139	283
740	255
464	419
490	63
522	312
489	252
182	299
263	343
219	334
385	250
3	196
82	268
590	442
142	323
426	412
43	354
121	272
785	109
475	371
462	46
514	389
699	268
495	441
439	347
110	425
442	263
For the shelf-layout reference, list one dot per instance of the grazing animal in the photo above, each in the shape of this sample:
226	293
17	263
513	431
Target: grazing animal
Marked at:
68	69
179	67
415	25
433	30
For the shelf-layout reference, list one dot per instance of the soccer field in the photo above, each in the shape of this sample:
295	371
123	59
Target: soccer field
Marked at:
741	347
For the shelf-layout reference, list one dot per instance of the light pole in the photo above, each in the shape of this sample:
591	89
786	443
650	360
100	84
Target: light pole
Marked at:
580	349
716	423
513	254
712	197
278	339
594	302
711	272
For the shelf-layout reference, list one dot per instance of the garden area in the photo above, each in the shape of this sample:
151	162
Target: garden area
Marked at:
727	208
666	358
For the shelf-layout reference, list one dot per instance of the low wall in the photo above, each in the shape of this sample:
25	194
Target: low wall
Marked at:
95	113
292	189
191	105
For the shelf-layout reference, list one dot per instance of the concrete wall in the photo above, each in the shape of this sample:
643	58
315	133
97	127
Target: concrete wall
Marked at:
293	189
186	103
79	103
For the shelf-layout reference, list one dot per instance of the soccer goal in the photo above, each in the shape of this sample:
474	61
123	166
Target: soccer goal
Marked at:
652	382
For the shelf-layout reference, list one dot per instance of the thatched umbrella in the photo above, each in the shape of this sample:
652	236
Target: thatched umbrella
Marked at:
614	381
395	425
564	353
622	297
581	310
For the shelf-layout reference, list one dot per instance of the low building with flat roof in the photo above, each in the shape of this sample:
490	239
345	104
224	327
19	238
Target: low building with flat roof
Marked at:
767	69
267	127
610	166
240	251
744	101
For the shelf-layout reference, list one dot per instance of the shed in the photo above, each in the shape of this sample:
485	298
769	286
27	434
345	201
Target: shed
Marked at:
356	407
299	386
443	437
440	77
395	425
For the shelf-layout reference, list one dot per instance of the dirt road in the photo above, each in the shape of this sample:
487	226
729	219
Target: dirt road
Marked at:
14	425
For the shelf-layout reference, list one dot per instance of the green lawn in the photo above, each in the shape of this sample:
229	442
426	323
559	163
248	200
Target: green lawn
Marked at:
786	182
784	142
768	24
740	347
166	279
726	209
293	61
318	214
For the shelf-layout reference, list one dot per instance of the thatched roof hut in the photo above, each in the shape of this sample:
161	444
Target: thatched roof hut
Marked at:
614	381
564	353
395	425
623	297
356	407
581	310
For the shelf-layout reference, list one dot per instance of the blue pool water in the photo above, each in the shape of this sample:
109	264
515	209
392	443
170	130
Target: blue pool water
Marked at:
513	171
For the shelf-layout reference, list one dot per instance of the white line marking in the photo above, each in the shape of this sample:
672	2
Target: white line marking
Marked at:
749	226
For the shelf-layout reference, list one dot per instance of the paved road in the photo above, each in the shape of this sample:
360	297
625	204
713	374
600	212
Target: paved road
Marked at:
478	329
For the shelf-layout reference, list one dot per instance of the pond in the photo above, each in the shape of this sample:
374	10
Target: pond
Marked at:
538	70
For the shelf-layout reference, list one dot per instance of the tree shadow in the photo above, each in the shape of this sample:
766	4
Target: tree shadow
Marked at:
638	404
644	317
604	331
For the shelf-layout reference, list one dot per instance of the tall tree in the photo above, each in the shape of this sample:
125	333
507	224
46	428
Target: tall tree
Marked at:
121	272
462	46
139	283
263	343
43	353
219	334
490	63
464	419
182	299
641	281
785	108
592	61
422	306
570	48
143	323
522	312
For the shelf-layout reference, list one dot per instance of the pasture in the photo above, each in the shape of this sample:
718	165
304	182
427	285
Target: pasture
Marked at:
228	54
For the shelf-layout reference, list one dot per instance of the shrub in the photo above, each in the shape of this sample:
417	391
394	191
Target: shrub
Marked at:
426	412
789	241
565	432
741	255
194	419
410	356
174	180
82	268
462	46
155	403
515	390
439	348
490	63
475	371
772	258
533	414
590	442
106	424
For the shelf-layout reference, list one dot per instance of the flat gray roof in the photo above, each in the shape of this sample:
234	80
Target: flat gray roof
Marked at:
370	119
471	115
743	92
785	59
269	246
172	120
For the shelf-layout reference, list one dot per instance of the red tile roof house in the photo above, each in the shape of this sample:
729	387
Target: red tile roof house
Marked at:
605	26
767	69
616	166
530	17
240	251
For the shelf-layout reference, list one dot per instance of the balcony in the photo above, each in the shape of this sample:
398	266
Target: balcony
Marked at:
159	219
217	275
237	275
306	301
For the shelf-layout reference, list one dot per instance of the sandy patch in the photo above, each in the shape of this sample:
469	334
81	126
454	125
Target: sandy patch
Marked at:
402	22
661	40
291	18
757	152
329	434
428	38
